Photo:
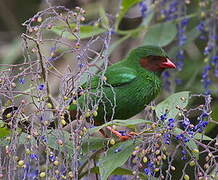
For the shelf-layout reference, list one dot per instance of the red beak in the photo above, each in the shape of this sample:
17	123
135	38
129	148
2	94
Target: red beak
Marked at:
167	64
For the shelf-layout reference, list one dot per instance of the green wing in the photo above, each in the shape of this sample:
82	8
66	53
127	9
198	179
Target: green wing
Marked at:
116	76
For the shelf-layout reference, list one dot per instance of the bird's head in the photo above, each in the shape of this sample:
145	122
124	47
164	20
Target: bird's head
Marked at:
152	58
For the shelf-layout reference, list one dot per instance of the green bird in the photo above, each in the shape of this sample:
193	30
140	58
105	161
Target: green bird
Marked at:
123	90
126	87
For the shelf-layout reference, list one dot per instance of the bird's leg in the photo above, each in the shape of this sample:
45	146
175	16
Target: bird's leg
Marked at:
103	133
122	135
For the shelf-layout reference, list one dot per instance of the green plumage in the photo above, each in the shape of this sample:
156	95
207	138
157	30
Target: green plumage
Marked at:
125	91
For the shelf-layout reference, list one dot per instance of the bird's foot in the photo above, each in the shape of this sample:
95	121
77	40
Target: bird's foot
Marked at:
103	133
122	135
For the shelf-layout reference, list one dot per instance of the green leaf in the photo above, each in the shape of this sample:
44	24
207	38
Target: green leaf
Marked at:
4	131
22	139
124	123
147	20
191	144
4	142
124	171
93	143
160	34
104	18
118	171
124	7
115	157
197	136
214	116
172	103
86	31
200	136
131	122
64	136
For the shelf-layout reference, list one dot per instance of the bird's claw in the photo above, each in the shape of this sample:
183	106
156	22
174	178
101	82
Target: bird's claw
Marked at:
121	135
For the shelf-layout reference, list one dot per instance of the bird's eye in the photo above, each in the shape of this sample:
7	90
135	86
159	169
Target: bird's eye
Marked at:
165	59
162	59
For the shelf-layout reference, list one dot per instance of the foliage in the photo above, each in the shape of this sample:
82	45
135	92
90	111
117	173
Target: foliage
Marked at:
172	130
